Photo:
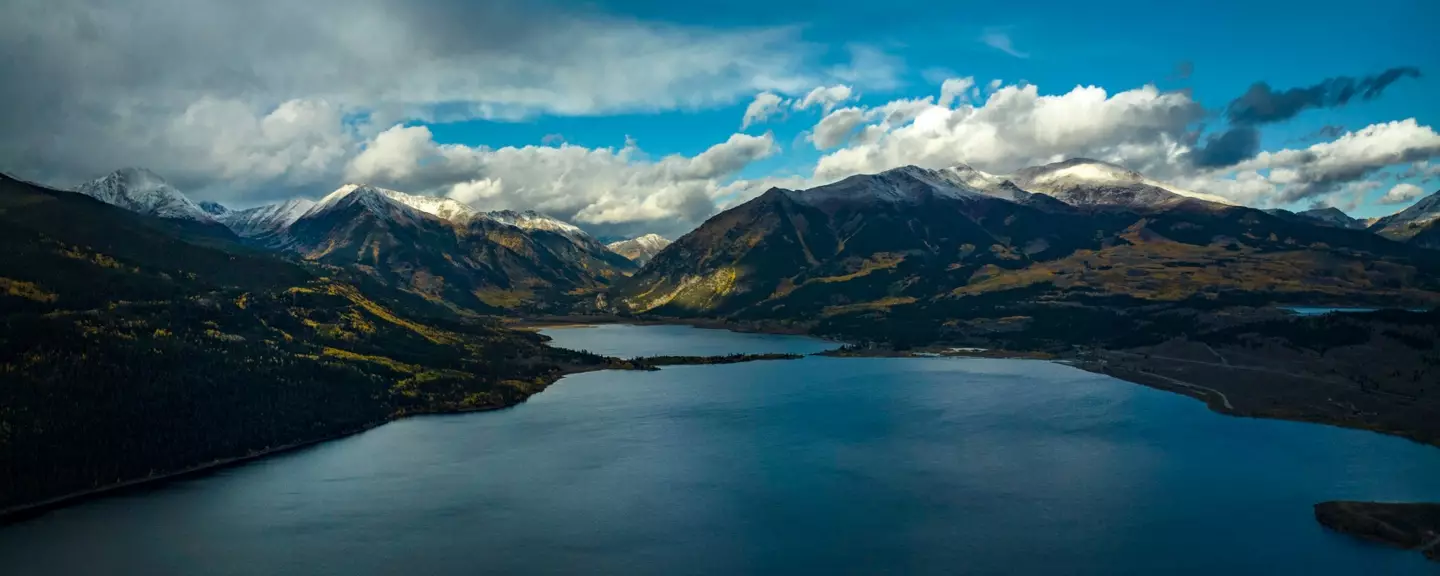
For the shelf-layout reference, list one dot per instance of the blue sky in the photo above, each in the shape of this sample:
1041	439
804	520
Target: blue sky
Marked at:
1120	45
256	102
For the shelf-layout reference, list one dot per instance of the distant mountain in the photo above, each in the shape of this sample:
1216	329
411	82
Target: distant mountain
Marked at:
443	208
1334	217
1085	182
468	259
532	220
1330	216
140	190
1417	224
924	241
640	249
265	220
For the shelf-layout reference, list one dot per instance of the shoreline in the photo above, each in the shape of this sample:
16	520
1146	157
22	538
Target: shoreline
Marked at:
23	512
1216	400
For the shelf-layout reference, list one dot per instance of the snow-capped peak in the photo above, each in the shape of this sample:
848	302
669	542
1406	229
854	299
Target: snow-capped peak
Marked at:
1086	181
443	208
143	191
266	219
532	220
640	249
903	184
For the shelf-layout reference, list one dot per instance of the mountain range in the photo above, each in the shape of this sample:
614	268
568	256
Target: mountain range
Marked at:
869	242
931	243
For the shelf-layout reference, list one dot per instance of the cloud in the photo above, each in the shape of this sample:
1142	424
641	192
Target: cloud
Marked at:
1326	132
607	190
827	97
1262	105
760	109
835	128
90	85
1318	169
1423	170
869	67
956	90
1000	40
1016	126
1402	193
549	139
1227	148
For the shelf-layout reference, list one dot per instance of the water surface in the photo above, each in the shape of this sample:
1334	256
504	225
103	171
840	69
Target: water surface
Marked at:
820	465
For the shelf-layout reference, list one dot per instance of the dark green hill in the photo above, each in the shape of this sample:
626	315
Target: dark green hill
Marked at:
132	348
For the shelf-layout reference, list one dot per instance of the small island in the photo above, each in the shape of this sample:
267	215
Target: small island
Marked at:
1409	526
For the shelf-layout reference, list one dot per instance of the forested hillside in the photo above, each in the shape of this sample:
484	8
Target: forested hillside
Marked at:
132	346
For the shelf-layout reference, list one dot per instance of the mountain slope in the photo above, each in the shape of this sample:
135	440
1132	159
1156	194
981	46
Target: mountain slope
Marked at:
1412	221
140	190
899	235
1085	182
918	239
131	347
265	220
640	249
475	262
1333	216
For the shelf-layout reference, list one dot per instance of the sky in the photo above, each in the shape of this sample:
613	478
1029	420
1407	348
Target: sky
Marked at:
635	116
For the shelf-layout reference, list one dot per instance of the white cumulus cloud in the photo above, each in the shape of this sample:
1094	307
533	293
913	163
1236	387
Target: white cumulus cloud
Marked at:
1402	193
827	97
761	108
614	189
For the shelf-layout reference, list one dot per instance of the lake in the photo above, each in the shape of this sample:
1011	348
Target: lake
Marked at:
820	465
1320	311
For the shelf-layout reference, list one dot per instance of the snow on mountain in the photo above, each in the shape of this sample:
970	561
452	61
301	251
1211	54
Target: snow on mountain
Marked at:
640	249
443	208
1086	181
266	219
1405	223
143	191
904	184
373	199
532	220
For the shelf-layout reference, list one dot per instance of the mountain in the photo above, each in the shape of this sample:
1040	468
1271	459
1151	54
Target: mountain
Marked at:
443	208
265	220
469	260
1333	216
213	208
136	348
532	220
929	246
140	190
875	239
1419	224
1085	182
640	249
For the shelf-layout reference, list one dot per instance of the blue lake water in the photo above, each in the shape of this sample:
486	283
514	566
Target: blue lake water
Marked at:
1319	310
820	465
